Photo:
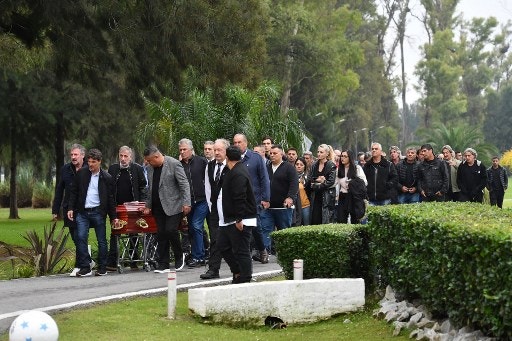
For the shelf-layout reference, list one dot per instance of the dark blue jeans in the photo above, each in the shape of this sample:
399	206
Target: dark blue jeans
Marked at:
83	222
271	218
196	228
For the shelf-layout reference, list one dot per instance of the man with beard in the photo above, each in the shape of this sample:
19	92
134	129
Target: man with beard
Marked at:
433	176
129	185
62	190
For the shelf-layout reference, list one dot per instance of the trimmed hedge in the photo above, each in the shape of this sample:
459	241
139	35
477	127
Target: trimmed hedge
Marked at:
328	251
456	256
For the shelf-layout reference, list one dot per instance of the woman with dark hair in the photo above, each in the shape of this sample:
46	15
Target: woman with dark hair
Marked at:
322	183
352	183
303	196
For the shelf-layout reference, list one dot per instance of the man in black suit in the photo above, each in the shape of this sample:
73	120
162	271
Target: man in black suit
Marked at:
214	176
236	207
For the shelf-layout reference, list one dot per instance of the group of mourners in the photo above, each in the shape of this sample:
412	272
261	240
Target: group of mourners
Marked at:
346	183
245	194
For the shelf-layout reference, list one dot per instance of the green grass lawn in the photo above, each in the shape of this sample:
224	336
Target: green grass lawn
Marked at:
145	319
11	230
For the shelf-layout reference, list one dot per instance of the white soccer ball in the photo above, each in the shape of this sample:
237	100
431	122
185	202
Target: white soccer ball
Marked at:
35	326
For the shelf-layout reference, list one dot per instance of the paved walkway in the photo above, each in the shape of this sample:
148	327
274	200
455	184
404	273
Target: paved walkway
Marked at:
61	292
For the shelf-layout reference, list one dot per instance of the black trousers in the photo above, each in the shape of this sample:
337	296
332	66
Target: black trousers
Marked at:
257	235
234	245
496	197
167	236
213	227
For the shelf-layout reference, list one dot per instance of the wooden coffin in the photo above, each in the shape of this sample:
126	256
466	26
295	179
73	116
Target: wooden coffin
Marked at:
132	220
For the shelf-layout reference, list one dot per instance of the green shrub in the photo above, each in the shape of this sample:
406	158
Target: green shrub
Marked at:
328	251
48	254
25	186
456	256
24	271
42	195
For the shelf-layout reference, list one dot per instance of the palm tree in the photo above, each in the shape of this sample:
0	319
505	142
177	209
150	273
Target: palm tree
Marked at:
199	118
459	138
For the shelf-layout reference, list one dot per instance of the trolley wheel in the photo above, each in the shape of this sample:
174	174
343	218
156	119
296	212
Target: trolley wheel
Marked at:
120	269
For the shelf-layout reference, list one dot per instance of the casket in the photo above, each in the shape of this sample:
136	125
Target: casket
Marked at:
132	220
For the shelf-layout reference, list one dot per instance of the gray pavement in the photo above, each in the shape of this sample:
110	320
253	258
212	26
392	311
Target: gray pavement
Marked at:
61	292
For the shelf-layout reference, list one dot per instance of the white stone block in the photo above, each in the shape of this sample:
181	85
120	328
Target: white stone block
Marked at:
292	301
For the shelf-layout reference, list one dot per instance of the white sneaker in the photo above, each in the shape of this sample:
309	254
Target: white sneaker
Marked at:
73	273
92	264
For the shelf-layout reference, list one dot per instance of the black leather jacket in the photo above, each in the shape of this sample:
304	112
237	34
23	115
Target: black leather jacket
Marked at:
433	177
137	178
382	179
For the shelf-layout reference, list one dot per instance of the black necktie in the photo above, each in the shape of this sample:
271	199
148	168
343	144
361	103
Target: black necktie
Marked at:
217	173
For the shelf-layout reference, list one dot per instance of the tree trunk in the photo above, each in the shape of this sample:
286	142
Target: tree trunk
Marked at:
59	145
287	81
13	205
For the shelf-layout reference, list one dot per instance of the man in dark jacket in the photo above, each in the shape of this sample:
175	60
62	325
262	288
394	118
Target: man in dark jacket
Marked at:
213	180
129	185
237	212
433	176
62	190
91	199
194	167
471	177
407	171
497	182
261	187
284	185
382	177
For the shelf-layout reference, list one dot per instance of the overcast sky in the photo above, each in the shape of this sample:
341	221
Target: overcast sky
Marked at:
501	9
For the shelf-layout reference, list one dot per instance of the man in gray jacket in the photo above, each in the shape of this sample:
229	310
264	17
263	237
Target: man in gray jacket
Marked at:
168	200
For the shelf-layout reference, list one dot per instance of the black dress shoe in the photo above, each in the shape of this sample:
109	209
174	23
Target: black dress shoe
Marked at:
256	256
210	274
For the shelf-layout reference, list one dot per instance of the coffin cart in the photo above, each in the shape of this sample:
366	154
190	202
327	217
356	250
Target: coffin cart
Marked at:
135	235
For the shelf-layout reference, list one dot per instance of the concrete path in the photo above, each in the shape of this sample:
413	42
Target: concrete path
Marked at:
61	292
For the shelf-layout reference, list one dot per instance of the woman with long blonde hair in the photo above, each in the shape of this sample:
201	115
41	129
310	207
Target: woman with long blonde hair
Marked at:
322	184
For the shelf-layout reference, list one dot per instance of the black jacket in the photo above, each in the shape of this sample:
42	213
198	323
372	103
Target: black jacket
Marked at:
503	178
237	196
78	192
472	181
137	178
382	178
284	183
401	170
194	169
61	198
356	196
215	187
433	177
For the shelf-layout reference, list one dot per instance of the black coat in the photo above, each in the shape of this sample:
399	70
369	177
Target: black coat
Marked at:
237	196
382	179
137	178
356	197
78	192
62	189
